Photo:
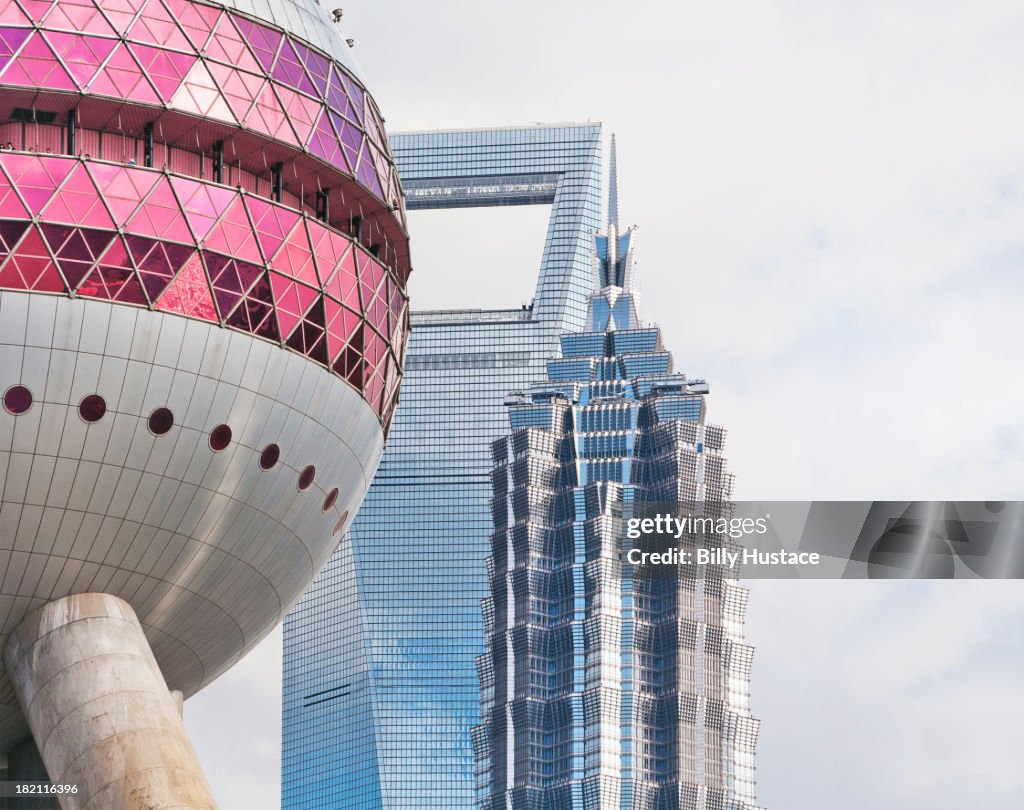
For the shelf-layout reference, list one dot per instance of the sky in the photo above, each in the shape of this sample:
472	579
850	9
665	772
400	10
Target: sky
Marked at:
831	208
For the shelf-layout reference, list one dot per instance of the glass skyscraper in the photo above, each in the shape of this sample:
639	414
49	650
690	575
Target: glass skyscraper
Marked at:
604	688
380	685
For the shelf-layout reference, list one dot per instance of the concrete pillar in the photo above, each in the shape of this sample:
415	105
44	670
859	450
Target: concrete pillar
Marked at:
100	710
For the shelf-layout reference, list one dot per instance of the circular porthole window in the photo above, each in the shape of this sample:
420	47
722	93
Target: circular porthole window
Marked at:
269	457
92	408
331	499
17	399
306	478
161	421
341	522
220	438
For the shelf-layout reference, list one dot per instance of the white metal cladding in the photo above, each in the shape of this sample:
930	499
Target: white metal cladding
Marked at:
209	549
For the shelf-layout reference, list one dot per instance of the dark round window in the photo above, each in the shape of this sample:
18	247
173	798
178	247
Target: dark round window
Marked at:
331	499
268	458
92	408
306	478
161	421
17	399
220	438
341	522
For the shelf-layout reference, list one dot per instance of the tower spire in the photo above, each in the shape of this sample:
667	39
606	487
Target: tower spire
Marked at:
613	191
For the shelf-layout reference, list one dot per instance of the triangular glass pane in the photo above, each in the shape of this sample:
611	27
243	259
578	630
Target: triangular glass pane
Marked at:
233	235
262	41
120	13
121	189
317	67
341	326
328	248
295	258
272	222
78	202
78	15
200	94
197	20
11	14
30	267
122	77
324	142
37	66
268	116
36	178
160	216
189	293
156	26
10	233
308	338
288	70
231	279
337	98
114	278
165	69
255	313
239	88
227	46
202	204
300	110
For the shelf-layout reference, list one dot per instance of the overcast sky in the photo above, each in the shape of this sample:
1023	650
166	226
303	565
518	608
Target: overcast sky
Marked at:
831	207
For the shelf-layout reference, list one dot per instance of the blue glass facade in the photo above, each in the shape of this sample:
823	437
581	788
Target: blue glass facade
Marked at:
380	685
602	689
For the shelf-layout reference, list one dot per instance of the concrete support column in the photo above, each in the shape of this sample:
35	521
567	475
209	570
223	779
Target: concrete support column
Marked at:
100	710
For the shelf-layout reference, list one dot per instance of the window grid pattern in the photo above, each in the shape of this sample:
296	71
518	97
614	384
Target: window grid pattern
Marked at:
600	691
406	631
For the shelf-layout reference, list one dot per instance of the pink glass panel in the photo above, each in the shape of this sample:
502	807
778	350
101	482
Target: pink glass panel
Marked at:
267	116
10	41
341	325
37	9
317	66
328	248
36	177
114	279
355	96
122	188
336	95
263	41
351	140
78	202
197	20
288	70
76	249
231	279
295	259
227	46
343	284
377	311
31	268
37	66
10	233
301	111
122	77
10	14
233	235
165	69
324	143
273	223
240	88
78	15
367	172
189	293
202	203
157	262
10	203
121	12
255	314
308	338
370	276
199	94
160	216
156	26
292	299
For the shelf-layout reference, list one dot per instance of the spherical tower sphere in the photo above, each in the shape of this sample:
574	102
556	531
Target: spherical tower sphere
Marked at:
203	263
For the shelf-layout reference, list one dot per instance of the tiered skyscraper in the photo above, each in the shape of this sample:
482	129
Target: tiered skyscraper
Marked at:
602	689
